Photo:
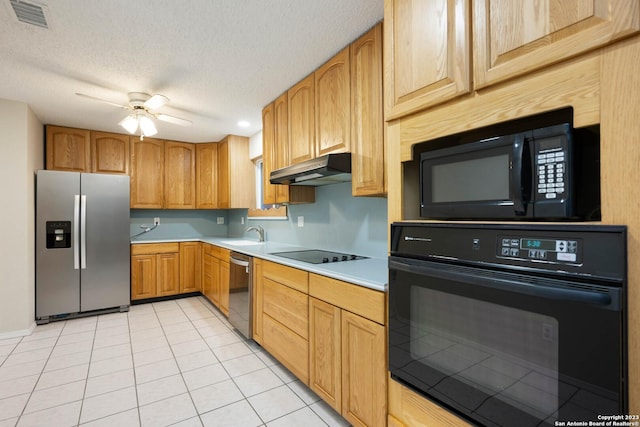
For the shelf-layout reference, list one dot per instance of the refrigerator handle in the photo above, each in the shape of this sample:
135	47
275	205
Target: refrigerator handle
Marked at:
76	232
83	232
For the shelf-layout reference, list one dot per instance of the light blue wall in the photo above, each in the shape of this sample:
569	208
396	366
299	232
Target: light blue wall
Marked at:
178	223
336	221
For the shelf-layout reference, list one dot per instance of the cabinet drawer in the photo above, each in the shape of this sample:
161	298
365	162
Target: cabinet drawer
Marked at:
154	248
288	347
216	251
356	299
292	277
287	306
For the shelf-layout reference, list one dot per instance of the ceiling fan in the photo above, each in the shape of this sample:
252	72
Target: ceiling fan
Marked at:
142	108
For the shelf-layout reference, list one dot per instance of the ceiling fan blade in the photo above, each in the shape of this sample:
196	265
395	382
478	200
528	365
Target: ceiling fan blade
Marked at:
155	102
174	120
126	107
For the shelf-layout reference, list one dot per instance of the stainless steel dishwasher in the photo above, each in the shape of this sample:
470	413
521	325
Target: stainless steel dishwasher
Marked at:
240	294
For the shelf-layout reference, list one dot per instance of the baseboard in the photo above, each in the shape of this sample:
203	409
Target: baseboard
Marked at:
17	334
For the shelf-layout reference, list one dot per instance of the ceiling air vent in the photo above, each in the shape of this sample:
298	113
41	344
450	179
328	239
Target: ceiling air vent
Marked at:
29	13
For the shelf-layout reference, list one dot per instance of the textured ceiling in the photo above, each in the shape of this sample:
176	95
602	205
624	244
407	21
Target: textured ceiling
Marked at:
219	61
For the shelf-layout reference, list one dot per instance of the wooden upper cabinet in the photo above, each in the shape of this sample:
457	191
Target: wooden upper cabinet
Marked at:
367	131
514	38
427	57
281	131
301	121
281	143
268	155
68	149
109	153
180	175
224	184
332	105
236	174
206	176
147	173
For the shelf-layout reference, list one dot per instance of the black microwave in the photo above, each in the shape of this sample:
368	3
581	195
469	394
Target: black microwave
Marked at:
550	173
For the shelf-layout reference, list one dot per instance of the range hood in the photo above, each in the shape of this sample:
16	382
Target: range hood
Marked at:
328	169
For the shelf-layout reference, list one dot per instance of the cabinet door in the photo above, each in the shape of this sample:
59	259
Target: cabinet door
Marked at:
364	371
168	274
513	38
190	267
325	356
268	155
332	101
110	153
301	121
224	196
215	282
224	287
206	176
367	137
426	53
147	173
207	276
281	143
179	175
258	280
143	276
68	149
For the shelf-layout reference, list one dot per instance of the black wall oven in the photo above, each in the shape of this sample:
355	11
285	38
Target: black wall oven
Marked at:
510	325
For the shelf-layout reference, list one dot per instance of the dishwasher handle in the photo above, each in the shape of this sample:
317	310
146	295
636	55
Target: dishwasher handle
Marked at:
239	262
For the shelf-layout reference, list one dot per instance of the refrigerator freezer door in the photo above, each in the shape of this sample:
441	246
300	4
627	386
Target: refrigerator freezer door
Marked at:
105	279
57	282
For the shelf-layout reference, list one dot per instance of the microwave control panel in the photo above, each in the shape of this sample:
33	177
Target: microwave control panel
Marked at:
551	167
556	251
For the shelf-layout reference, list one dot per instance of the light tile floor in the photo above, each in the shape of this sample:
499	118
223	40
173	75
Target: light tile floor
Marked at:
174	362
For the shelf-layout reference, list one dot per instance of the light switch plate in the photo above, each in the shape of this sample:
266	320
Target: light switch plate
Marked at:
300	221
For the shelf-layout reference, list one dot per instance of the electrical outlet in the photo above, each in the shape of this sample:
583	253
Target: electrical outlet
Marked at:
242	220
300	221
156	221
220	220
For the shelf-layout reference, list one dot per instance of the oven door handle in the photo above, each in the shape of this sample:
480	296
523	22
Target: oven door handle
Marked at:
504	282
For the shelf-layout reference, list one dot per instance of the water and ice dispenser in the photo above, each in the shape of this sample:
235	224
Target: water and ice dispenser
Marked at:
58	234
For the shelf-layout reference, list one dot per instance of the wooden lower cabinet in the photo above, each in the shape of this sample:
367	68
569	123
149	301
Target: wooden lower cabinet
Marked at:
144	273
364	386
347	356
168	274
281	316
190	267
325	361
155	270
215	276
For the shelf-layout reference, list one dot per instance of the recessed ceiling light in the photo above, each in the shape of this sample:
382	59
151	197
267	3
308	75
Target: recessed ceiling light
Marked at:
244	124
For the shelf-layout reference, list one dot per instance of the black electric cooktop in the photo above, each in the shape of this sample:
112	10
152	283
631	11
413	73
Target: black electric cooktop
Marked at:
315	256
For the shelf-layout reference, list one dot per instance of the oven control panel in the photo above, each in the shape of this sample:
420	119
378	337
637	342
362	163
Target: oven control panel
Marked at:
564	251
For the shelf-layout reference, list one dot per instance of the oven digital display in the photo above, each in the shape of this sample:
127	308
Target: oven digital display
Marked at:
547	245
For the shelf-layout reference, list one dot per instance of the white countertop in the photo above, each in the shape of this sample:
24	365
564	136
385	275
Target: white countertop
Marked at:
371	272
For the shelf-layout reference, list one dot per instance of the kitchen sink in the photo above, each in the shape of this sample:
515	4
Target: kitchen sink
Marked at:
241	242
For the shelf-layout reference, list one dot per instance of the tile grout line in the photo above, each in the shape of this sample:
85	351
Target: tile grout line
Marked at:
41	371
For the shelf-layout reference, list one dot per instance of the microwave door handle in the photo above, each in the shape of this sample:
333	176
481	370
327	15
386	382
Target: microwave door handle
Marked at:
517	178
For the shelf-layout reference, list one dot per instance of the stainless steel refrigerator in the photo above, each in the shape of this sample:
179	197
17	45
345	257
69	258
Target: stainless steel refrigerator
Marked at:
82	244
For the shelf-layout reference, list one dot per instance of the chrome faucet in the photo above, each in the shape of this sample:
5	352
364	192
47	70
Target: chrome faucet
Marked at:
260	231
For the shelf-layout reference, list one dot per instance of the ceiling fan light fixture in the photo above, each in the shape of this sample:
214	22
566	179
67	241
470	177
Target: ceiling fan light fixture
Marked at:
147	126
130	123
